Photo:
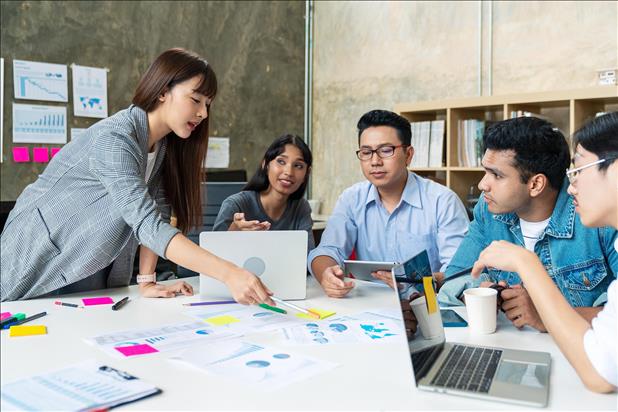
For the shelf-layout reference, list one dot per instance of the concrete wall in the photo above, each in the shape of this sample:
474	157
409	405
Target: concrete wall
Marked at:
256	49
374	54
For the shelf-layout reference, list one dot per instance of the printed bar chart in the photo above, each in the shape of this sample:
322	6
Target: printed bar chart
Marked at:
39	124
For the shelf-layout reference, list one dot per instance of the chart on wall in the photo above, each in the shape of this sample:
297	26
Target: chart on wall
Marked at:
40	81
39	124
89	91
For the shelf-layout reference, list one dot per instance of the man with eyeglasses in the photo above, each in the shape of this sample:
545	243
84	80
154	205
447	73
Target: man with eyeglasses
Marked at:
525	202
393	215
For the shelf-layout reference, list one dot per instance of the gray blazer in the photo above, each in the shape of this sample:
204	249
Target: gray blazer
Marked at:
89	209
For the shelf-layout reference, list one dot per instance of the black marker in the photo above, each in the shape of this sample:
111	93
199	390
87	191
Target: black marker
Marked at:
28	319
456	275
120	303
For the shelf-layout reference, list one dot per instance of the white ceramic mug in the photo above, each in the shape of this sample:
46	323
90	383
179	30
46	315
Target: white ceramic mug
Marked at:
481	307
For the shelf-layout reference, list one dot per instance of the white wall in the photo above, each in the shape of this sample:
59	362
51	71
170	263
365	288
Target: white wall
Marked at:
370	55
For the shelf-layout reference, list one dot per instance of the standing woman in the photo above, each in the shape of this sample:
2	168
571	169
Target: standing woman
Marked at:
273	198
77	227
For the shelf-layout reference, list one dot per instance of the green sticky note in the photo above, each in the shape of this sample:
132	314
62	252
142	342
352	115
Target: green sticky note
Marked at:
222	320
323	314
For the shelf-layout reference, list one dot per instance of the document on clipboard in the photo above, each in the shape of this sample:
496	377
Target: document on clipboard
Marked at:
84	386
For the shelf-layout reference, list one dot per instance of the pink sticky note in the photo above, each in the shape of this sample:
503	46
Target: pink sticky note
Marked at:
106	300
21	154
5	315
54	151
136	350
40	154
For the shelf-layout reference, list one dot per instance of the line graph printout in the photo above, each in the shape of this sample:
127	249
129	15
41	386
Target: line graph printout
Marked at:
40	81
39	124
89	91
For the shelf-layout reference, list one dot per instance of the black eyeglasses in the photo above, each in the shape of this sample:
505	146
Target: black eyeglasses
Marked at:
382	152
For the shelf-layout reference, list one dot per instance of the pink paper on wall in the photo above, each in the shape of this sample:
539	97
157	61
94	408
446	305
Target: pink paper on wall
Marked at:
105	300
5	315
136	350
40	154
21	154
54	151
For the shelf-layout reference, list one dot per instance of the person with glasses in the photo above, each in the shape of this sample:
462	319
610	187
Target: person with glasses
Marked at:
393	215
589	347
525	202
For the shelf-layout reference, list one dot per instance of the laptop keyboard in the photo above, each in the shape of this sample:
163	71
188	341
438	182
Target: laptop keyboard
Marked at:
468	368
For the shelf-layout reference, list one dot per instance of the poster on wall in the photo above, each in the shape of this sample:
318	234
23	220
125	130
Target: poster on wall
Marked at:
39	124
40	81
77	132
89	91
218	155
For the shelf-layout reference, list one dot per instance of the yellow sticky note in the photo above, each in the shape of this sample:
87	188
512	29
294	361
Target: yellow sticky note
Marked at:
27	330
222	320
430	295
323	314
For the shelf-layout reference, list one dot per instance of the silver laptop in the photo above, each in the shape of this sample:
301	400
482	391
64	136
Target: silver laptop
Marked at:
506	375
279	258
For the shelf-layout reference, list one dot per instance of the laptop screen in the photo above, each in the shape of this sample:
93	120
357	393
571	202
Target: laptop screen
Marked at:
426	344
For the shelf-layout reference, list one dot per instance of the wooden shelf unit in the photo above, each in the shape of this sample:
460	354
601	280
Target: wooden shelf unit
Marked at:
568	110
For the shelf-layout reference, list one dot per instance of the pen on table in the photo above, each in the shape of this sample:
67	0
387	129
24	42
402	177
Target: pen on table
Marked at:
11	321
298	308
273	308
71	305
29	318
456	275
120	303
216	302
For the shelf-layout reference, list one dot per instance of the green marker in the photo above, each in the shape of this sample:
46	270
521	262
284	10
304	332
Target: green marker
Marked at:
273	308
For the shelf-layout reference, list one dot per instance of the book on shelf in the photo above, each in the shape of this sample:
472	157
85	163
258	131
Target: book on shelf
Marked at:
525	113
436	146
428	143
470	141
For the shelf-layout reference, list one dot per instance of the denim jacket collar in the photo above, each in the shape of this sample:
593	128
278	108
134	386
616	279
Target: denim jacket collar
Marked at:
562	218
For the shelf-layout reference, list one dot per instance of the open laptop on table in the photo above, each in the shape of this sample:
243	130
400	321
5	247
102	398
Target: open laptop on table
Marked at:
279	258
506	375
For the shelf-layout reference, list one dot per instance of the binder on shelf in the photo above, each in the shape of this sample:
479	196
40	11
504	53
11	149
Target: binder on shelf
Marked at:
436	147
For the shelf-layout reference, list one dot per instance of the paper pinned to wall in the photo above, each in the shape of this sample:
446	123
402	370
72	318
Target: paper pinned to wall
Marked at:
77	132
39	124
40	81
218	155
89	91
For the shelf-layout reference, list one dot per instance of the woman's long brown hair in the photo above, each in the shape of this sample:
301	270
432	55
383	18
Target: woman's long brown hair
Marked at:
182	173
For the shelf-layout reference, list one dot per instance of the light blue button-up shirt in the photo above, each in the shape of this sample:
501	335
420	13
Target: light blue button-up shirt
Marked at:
429	216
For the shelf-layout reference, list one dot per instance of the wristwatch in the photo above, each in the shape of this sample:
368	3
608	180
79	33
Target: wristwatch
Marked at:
150	278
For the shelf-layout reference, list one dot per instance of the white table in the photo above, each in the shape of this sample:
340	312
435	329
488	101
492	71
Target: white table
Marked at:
369	377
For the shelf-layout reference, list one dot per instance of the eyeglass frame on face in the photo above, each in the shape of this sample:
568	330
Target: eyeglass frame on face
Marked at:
377	151
572	174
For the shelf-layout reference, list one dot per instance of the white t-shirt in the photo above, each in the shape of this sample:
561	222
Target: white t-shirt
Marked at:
532	232
601	342
152	156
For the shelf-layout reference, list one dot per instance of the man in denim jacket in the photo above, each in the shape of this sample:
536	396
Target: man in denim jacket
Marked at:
525	201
